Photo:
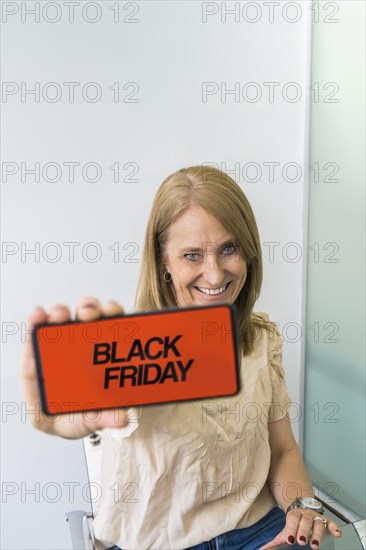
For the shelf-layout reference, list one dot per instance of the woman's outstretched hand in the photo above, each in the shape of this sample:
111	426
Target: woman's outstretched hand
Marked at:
73	425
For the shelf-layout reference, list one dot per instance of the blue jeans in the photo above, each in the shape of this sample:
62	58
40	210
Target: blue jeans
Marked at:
250	538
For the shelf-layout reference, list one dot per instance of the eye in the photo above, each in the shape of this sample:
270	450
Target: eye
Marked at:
229	249
192	256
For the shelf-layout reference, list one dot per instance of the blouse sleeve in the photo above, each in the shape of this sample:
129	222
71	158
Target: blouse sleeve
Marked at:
127	430
280	397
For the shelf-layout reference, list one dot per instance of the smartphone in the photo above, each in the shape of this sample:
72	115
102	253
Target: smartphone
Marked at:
138	359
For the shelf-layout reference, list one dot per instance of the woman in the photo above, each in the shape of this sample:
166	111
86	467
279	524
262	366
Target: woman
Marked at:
204	474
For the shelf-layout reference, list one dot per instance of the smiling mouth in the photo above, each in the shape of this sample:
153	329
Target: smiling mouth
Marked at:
212	291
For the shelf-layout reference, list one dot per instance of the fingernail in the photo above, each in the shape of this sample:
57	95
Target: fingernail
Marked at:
93	306
338	531
302	538
316	542
291	539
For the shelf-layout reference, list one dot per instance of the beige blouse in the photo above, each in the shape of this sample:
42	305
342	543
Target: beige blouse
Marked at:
179	474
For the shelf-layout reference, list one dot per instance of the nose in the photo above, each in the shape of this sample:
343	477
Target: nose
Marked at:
213	270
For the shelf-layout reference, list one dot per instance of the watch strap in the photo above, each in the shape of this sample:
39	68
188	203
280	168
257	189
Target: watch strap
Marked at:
298	504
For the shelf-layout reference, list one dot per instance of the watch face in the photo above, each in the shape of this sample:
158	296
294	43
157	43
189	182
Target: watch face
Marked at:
311	503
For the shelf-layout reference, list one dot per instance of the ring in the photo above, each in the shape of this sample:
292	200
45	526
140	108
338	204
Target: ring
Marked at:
323	520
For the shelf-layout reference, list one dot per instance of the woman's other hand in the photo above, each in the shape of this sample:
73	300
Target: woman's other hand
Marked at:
301	528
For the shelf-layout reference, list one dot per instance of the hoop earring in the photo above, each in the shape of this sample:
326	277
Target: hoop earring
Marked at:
167	276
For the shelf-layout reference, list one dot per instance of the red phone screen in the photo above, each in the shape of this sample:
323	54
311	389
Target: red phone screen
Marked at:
139	359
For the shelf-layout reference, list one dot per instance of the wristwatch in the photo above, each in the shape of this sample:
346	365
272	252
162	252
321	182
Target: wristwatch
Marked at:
307	503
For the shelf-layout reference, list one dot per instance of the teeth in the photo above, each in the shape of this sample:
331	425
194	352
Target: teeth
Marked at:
212	292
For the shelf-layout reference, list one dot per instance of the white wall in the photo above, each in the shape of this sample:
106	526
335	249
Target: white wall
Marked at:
169	52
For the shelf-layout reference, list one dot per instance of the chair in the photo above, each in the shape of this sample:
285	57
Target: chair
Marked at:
81	521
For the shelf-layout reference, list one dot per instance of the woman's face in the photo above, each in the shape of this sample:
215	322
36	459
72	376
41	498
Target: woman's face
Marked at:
203	261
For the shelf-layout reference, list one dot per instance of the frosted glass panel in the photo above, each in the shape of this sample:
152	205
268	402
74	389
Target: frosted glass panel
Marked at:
334	431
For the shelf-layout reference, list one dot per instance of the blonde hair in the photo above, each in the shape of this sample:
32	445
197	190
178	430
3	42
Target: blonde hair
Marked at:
221	197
